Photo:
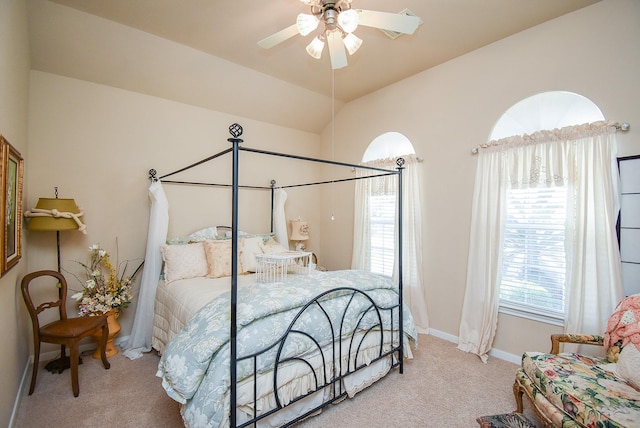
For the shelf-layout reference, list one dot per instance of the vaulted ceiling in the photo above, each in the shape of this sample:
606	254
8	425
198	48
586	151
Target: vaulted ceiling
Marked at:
230	30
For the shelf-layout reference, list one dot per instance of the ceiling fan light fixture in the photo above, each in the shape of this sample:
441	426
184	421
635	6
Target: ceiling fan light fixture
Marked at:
352	43
306	23
348	20
315	47
339	21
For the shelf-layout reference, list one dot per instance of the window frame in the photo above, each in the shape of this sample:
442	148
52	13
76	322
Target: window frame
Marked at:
561	109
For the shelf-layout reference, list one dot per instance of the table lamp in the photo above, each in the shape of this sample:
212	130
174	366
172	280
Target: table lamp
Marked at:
299	233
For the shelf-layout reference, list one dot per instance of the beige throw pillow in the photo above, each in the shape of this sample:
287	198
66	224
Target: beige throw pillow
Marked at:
184	261
218	254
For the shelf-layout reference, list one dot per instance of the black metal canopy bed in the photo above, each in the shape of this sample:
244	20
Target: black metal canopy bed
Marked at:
253	352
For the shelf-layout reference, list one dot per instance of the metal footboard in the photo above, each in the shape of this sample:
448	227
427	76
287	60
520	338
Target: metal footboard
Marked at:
327	360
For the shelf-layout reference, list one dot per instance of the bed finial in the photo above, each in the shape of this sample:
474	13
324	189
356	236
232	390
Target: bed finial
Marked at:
273	183
236	131
400	162
152	174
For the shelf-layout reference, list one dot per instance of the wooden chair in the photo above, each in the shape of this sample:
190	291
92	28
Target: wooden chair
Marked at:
63	331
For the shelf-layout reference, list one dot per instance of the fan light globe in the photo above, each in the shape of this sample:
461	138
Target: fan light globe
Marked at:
315	48
348	20
306	23
352	43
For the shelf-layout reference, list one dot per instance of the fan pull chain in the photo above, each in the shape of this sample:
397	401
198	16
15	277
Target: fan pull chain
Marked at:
333	113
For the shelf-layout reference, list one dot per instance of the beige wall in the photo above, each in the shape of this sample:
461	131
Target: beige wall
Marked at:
97	144
447	110
14	93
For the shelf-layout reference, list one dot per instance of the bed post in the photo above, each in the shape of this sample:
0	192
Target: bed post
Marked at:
236	131
400	163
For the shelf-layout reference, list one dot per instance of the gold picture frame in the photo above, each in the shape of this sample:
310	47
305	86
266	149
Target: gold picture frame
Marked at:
12	171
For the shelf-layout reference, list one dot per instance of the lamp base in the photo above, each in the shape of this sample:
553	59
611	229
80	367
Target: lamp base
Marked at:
59	365
300	246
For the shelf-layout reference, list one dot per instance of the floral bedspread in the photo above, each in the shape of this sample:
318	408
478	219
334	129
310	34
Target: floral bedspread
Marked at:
576	390
195	366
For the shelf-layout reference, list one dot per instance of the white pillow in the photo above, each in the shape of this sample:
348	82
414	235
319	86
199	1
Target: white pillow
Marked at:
628	366
250	248
273	247
183	261
204	234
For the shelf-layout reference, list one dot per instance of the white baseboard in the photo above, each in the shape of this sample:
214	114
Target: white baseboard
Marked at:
506	356
24	382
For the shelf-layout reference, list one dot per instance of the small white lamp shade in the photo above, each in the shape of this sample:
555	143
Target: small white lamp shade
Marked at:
299	230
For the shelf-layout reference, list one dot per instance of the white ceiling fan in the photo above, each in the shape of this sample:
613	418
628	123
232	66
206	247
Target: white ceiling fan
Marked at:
340	21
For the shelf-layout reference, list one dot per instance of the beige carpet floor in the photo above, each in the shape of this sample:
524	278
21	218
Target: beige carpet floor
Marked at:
440	387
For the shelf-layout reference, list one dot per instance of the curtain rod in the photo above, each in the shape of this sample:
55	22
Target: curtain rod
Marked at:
624	126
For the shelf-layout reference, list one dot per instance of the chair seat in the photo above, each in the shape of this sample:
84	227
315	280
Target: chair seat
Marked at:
71	327
582	388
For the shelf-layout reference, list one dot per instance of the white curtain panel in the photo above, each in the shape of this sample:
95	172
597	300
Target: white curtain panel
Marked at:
142	330
361	256
413	291
412	243
480	305
583	157
594	280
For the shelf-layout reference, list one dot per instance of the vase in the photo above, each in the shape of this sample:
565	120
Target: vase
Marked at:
114	329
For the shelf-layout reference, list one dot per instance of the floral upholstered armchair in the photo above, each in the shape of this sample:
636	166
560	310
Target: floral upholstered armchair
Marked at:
575	390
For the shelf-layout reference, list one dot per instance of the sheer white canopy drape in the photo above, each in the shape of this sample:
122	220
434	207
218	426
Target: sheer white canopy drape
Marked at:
141	332
279	217
412	229
584	158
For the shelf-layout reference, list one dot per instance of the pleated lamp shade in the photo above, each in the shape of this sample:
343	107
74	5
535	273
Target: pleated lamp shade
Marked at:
299	230
52	223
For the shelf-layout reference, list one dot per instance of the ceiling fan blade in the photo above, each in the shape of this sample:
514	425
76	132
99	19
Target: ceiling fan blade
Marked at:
399	22
279	37
336	50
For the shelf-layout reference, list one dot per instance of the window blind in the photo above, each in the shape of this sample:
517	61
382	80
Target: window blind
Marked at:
534	263
382	224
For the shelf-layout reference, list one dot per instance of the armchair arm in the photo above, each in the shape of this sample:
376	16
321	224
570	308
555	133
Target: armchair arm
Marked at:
584	339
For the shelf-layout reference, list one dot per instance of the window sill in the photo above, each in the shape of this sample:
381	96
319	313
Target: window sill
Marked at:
528	313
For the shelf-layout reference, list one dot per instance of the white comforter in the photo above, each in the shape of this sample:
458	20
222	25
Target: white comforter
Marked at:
177	301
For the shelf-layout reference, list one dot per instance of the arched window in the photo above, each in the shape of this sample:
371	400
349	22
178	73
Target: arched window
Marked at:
376	219
381	212
533	270
389	145
547	110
